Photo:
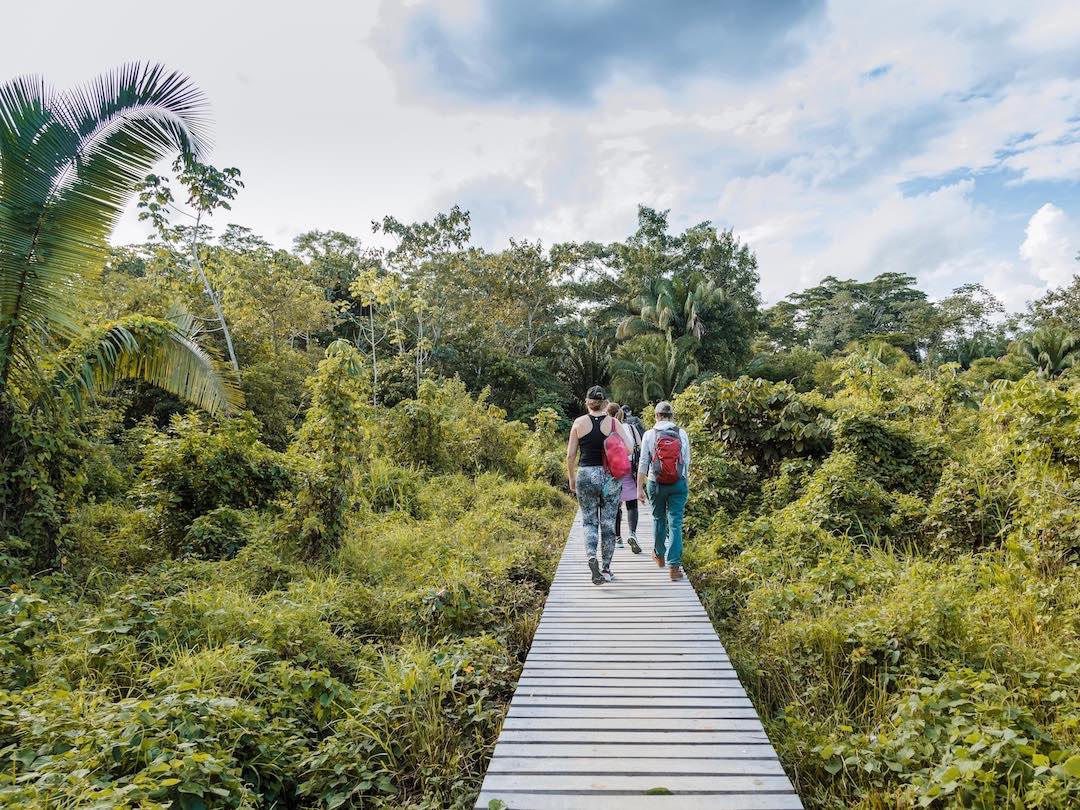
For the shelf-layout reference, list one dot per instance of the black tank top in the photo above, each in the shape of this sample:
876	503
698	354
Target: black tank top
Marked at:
592	443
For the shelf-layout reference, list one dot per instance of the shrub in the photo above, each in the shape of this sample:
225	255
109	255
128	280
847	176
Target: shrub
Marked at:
219	534
763	423
974	503
889	453
446	430
839	499
385	487
198	466
111	537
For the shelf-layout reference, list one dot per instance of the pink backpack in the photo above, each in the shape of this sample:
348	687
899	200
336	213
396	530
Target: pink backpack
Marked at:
616	459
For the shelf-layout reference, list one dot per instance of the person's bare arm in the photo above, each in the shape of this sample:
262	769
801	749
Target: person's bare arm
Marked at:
571	459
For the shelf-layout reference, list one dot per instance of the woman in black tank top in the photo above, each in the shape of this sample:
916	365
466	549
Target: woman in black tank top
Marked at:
597	492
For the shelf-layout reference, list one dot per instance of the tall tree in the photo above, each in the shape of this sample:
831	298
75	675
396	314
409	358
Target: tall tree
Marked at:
702	283
834	313
427	258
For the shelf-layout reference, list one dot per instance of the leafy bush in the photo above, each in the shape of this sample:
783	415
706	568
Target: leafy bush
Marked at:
889	453
111	537
196	467
445	430
219	534
762	422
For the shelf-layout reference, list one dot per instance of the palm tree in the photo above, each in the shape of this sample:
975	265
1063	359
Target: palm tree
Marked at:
586	360
69	164
652	368
1051	349
673	307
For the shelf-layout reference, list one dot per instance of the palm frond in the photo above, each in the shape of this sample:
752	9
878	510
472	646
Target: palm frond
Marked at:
163	353
69	165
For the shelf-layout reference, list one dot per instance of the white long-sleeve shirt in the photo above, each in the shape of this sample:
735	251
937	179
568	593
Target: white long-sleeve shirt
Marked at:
648	448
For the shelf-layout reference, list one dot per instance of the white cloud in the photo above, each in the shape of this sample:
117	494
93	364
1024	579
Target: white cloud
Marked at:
1050	246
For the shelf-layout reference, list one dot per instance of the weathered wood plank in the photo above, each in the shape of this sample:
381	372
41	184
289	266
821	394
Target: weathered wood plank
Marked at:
636	724
651	737
766	765
636	783
593	801
737	709
629	701
571	752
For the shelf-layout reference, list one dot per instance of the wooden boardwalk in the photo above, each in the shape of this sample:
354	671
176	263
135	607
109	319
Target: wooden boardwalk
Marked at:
628	701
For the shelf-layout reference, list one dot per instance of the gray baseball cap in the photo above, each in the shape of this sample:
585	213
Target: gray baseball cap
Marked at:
663	408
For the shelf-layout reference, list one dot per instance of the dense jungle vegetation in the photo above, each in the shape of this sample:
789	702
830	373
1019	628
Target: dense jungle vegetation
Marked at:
277	524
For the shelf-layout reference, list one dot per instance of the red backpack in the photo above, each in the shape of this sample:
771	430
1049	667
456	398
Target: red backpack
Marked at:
667	459
616	459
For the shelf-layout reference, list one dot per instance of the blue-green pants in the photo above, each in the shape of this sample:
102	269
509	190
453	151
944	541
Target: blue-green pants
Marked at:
668	503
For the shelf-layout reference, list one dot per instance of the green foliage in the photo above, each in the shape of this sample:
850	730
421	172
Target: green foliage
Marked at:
378	679
795	367
444	429
196	467
330	447
1051	349
893	455
903	604
763	423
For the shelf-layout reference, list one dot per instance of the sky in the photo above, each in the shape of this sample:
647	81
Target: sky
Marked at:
940	139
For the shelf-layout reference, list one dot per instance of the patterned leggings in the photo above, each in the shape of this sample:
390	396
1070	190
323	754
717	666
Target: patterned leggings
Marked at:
598	496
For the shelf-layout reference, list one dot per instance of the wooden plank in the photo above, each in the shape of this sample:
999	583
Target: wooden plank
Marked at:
636	783
619	683
638	765
629	655
737	709
572	752
703	669
629	701
586	801
596	693
637	724
650	737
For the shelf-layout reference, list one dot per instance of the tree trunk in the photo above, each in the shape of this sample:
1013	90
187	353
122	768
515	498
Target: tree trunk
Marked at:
211	294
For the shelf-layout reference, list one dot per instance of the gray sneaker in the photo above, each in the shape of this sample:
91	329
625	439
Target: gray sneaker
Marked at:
607	575
633	543
594	567
619	542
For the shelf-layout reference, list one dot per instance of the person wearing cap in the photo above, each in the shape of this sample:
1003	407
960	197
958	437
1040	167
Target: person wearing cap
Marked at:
597	492
665	454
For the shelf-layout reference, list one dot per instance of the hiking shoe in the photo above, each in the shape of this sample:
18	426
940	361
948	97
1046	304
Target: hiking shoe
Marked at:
619	542
594	567
607	575
658	559
676	572
633	543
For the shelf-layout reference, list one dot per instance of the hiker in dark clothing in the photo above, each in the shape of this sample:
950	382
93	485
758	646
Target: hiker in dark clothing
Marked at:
597	492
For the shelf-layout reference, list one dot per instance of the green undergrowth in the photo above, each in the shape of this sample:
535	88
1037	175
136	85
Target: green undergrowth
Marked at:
338	625
894	571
